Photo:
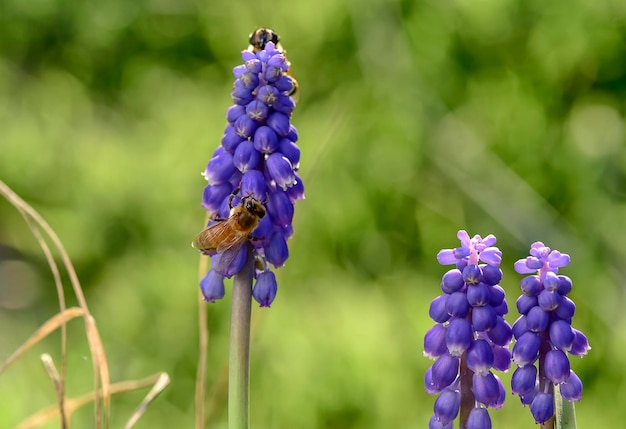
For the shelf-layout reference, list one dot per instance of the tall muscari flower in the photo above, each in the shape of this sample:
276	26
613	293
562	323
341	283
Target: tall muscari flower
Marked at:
544	333
258	157
470	336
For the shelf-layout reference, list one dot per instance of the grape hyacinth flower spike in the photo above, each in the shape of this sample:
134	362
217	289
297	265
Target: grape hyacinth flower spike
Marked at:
544	334
252	177
470	337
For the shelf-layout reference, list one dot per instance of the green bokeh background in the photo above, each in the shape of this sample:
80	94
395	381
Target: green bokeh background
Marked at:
416	119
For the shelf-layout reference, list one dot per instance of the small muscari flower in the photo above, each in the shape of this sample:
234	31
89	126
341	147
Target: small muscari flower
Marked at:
436	424
470	324
212	286
544	333
258	156
447	406
478	419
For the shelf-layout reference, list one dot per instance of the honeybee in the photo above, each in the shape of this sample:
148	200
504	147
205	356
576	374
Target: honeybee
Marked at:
261	37
229	235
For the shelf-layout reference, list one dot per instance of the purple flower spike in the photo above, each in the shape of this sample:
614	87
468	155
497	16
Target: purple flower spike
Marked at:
469	315
544	334
257	159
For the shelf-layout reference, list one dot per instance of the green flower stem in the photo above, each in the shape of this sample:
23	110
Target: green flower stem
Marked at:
239	359
564	411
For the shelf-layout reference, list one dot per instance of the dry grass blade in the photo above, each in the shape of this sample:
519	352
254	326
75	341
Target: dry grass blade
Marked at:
48	364
62	307
203	329
44	330
158	387
72	404
100	366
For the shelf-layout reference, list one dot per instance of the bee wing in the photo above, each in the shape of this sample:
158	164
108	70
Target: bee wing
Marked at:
215	238
223	260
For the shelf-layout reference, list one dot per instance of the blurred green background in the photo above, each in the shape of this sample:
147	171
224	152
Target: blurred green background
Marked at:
416	119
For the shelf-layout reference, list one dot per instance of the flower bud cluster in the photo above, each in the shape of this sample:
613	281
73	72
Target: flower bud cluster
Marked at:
544	333
470	330
258	157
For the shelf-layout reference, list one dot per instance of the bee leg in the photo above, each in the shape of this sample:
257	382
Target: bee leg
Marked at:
230	200
215	217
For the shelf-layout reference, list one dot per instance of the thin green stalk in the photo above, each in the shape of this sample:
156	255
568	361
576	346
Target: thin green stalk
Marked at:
239	359
564	411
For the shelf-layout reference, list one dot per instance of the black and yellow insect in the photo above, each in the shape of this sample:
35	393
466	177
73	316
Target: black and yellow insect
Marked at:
261	37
